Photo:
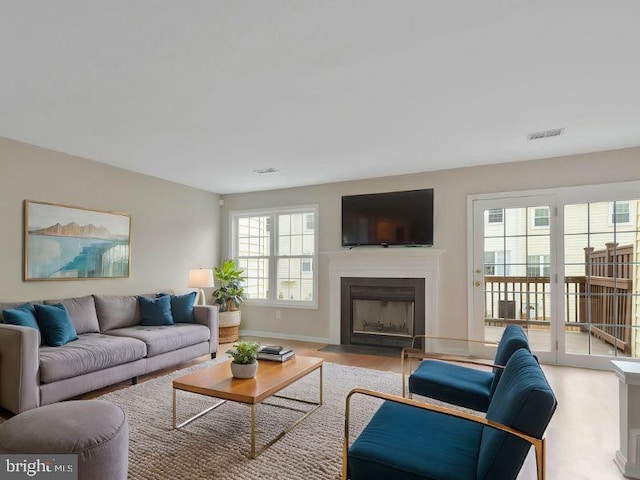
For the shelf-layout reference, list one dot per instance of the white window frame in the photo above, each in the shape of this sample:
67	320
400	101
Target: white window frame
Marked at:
533	217
610	218
542	261
500	262
273	299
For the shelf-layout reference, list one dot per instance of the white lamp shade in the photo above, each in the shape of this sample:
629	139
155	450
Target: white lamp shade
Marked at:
201	278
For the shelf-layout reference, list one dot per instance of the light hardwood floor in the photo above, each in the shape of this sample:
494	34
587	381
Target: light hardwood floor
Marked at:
583	435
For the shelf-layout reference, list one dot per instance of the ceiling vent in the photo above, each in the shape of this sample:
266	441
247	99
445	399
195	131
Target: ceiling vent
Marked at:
265	171
545	134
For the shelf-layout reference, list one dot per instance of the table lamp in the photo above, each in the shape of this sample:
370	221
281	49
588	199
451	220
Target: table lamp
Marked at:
201	278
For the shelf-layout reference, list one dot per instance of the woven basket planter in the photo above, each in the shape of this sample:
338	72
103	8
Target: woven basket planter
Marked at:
229	326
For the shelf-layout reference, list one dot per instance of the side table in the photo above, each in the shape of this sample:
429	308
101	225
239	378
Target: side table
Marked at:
628	457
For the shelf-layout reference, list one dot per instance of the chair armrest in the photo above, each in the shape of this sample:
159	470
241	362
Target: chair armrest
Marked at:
19	368
208	315
538	443
420	355
429	337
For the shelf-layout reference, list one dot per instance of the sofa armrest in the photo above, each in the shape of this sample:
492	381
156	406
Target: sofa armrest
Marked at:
208	315
19	365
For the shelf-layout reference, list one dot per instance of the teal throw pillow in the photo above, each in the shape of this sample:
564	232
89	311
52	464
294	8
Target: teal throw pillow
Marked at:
182	306
24	315
55	324
155	311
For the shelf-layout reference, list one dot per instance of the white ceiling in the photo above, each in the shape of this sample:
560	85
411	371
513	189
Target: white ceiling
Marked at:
203	92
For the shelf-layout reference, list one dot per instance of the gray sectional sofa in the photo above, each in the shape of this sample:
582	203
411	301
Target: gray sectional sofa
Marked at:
111	347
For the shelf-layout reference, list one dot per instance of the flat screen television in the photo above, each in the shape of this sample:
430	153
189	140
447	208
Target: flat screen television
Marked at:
391	218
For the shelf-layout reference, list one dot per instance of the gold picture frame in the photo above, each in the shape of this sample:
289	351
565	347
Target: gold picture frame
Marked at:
62	242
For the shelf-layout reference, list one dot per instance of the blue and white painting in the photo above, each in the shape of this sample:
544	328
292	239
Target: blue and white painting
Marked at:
63	242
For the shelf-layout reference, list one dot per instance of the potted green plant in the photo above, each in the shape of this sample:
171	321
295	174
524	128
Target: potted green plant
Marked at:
245	359
229	295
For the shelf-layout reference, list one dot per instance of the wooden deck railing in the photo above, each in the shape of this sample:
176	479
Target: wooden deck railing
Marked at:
601	306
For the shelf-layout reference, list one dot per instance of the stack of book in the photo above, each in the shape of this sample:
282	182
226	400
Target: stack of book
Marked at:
275	353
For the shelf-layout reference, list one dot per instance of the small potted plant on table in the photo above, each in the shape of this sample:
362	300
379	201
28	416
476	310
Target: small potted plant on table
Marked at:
229	296
245	359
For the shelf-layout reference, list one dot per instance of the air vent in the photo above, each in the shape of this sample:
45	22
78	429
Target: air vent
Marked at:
546	134
265	171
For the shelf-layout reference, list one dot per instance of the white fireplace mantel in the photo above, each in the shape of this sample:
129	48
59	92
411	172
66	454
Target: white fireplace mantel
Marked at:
416	262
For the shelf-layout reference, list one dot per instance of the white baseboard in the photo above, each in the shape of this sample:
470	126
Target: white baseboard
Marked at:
283	336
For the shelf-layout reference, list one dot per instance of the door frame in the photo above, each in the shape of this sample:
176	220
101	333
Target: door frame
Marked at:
476	294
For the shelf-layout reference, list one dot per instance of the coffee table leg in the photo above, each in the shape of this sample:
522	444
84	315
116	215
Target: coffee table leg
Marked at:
320	385
253	431
174	409
188	421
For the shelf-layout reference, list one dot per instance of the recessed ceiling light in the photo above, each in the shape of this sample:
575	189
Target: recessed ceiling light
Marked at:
265	171
545	134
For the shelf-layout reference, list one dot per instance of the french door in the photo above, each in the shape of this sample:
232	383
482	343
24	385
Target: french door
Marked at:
513	271
564	265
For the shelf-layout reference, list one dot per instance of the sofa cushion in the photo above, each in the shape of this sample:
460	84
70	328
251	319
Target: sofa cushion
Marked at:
23	315
90	353
182	306
166	338
55	325
155	311
82	311
117	311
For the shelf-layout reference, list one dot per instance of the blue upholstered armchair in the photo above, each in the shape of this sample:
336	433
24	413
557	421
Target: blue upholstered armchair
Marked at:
411	440
460	385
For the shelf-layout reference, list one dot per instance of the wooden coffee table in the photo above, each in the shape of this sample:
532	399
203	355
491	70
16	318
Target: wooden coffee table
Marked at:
217	381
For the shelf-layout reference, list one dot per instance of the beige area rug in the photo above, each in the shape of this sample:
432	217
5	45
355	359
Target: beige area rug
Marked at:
216	446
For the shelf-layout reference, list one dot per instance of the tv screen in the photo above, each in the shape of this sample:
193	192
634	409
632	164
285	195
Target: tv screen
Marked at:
393	218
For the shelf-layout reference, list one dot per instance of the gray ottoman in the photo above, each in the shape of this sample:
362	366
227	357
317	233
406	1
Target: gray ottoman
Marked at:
95	430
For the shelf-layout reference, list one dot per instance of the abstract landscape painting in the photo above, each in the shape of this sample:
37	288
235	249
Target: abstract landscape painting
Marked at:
64	243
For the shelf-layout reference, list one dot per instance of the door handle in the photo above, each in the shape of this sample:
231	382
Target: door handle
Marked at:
478	284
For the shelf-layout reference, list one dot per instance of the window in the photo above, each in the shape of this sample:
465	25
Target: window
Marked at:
307	265
495	215
541	217
495	263
620	213
309	222
277	250
538	265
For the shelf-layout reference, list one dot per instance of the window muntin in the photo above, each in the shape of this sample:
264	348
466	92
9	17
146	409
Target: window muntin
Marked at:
278	249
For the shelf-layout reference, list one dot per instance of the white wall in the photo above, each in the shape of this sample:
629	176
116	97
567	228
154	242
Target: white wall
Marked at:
174	228
451	190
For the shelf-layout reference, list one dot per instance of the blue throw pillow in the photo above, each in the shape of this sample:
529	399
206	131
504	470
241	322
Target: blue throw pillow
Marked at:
24	315
182	306
155	311
55	324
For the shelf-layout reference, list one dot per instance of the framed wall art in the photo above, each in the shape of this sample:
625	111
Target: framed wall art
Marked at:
66	243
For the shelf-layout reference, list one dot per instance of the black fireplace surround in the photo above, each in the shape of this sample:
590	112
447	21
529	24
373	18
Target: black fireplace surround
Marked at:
373	331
